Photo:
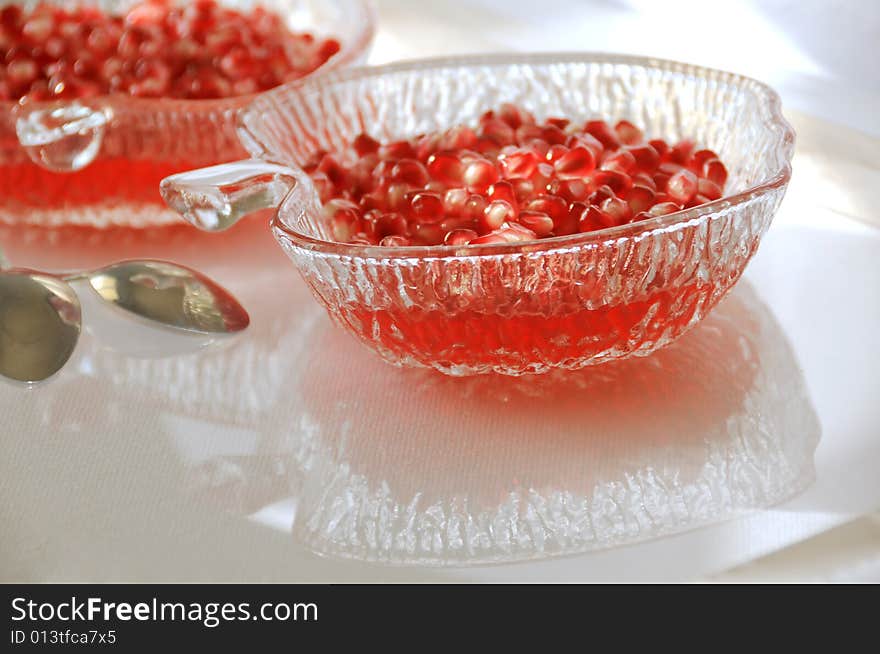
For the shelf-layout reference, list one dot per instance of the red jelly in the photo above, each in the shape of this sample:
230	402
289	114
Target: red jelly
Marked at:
511	179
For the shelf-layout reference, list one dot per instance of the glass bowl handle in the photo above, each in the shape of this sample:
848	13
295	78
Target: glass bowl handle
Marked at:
61	137
217	197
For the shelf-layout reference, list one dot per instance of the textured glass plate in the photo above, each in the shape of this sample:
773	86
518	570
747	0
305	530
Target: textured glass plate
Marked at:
108	173
565	302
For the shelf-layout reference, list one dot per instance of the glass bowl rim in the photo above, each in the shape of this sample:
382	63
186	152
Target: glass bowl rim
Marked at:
771	100
348	53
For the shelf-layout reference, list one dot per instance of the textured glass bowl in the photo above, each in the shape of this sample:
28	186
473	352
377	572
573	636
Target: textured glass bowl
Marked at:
99	162
564	302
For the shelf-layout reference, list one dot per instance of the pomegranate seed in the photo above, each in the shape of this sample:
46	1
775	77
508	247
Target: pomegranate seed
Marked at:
660	181
391	224
540	147
514	232
335	171
537	221
664	208
455	201
508	180
601	194
396	197
682	186
323	185
427	207
578	211
519	163
514	116
524	189
640	198
669	168
621	161
561	123
428	234
410	171
627	133
646	156
458	222
344	218
542	176
715	171
595	219
577	162
427	145
475	207
458	138
708	189
565	224
397	150
495	215
363	144
587	141
603	133
619	211
38	28
145	14
480	174
555	153
489	239
460	237
446	167
617	181
661	146
525	134
699	158
498	131
395	241
503	191
22	71
644	179
573	190
552	205
553	135
681	152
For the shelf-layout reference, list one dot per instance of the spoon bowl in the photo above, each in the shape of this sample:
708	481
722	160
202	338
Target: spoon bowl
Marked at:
40	324
170	294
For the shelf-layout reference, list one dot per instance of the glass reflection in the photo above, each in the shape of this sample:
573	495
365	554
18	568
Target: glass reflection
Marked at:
413	467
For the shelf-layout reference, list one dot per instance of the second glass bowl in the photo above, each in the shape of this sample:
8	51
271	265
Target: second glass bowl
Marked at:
99	162
519	308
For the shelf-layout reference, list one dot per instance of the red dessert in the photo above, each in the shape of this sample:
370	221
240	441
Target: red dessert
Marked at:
196	50
510	179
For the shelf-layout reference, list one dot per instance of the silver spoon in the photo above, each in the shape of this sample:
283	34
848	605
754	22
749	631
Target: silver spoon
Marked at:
40	314
169	294
40	323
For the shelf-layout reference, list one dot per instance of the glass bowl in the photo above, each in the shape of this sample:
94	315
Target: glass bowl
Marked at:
98	162
518	308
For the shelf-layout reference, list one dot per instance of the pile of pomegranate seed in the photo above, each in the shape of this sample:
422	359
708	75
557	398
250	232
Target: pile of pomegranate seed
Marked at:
510	179
157	49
